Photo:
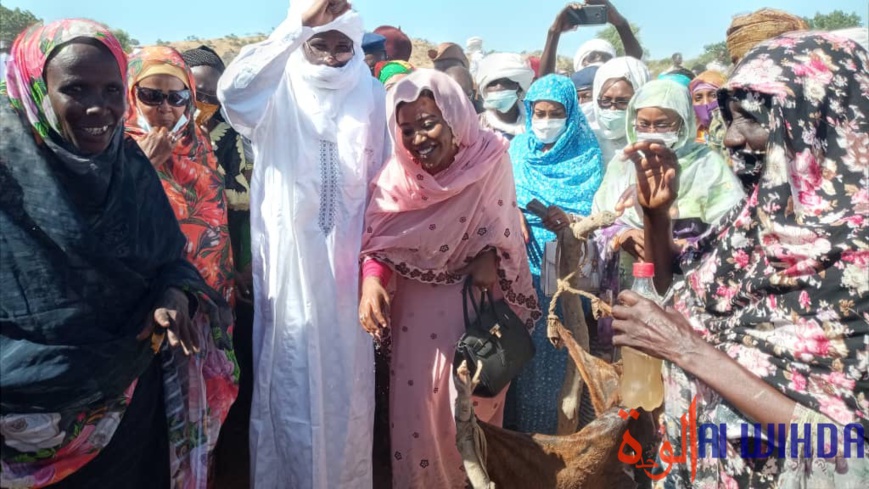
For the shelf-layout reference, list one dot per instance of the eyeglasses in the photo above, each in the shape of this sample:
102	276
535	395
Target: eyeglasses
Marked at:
644	126
155	98
341	53
608	103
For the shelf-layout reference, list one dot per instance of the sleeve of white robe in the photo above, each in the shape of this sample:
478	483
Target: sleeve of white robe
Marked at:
250	81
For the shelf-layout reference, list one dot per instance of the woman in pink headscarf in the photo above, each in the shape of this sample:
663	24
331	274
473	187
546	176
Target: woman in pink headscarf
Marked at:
443	208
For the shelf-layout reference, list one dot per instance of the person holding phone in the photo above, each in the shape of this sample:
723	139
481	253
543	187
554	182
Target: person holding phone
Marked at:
557	162
162	95
596	51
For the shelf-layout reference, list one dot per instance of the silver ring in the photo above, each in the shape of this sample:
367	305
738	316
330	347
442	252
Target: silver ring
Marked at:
558	221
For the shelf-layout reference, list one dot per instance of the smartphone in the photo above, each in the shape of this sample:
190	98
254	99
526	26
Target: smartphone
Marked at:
537	208
588	15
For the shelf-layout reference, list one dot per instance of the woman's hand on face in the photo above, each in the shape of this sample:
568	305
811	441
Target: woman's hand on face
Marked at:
323	12
171	316
633	241
643	325
556	219
657	169
374	307
157	146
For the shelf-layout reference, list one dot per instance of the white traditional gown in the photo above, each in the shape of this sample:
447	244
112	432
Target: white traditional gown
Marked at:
318	135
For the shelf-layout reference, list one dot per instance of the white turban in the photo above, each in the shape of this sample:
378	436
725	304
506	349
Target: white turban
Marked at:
593	46
504	65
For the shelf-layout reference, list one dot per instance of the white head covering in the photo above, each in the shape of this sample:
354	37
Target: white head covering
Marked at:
593	46
320	90
629	68
504	65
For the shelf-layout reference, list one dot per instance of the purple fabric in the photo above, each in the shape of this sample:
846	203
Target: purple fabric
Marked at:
704	112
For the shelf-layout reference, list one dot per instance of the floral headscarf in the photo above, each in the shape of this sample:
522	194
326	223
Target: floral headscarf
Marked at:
191	177
25	83
783	288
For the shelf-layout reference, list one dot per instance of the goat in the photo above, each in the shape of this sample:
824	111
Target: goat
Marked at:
494	457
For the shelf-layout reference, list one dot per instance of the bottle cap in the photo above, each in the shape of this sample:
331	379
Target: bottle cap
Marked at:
644	270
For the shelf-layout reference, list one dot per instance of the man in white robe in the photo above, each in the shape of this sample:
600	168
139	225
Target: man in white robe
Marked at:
316	118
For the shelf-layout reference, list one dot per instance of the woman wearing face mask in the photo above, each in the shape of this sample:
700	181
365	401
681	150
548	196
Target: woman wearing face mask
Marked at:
558	162
443	208
161	119
704	95
108	332
502	79
661	111
235	159
614	85
767	321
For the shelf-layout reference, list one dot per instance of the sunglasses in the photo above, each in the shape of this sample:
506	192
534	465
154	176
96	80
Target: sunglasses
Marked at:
155	98
207	98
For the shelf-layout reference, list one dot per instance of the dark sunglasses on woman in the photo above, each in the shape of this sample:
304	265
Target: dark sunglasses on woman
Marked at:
155	98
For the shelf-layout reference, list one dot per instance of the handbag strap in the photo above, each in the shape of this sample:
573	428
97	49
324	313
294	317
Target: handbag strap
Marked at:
467	290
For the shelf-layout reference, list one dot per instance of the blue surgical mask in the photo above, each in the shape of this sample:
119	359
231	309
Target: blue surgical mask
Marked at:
613	122
501	100
548	130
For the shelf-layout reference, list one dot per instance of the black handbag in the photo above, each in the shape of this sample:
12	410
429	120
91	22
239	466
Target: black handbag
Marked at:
497	338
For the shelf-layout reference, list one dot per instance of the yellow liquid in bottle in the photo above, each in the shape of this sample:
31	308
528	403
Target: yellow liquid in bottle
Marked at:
641	385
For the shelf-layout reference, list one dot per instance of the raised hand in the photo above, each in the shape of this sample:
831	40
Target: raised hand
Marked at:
323	12
657	175
562	20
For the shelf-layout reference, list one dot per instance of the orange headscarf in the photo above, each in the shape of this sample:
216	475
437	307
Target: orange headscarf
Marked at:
191	177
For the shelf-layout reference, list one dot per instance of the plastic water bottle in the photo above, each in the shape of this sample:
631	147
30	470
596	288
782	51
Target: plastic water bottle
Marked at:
641	385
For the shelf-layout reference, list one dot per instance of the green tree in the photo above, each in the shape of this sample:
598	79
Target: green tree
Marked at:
12	22
836	19
612	35
127	42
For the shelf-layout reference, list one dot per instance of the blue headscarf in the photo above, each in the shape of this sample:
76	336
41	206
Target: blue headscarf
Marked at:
568	175
679	78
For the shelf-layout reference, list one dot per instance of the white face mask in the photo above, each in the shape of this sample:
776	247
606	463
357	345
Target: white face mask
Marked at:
668	138
548	130
613	121
501	100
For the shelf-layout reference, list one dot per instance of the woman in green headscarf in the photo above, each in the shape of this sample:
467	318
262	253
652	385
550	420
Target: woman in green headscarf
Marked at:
661	110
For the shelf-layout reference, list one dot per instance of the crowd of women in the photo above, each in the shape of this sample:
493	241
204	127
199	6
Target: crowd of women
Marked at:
200	260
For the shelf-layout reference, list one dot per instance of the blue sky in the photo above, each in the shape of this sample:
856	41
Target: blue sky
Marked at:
505	25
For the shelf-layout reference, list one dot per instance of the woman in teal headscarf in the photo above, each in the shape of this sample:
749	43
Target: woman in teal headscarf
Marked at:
558	162
661	110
